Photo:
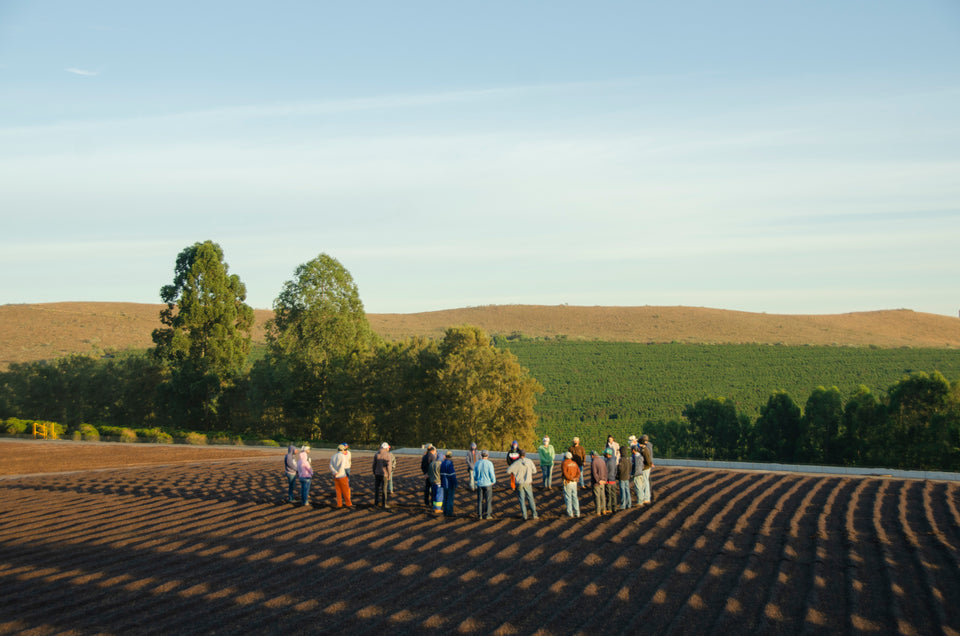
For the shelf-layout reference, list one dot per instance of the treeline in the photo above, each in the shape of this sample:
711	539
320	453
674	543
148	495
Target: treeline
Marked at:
915	425
325	374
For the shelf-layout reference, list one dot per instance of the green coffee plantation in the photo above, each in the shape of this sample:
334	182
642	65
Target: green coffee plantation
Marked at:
596	388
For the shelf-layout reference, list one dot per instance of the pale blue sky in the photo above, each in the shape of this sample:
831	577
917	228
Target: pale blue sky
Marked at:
770	156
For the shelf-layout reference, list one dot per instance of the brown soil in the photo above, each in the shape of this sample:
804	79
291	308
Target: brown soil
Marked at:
47	331
209	546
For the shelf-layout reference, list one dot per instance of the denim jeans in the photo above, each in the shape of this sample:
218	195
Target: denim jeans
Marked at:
473	480
638	486
448	502
484	495
625	494
304	490
547	470
647	488
571	498
292	490
524	494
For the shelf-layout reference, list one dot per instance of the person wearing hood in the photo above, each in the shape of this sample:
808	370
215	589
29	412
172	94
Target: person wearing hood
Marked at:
341	482
521	471
448	482
290	469
547	456
472	456
382	468
304	474
598	479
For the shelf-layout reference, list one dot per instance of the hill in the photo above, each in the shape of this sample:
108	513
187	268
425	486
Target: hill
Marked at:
50	330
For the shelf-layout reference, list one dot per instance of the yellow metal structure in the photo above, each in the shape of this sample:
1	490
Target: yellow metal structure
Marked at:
44	431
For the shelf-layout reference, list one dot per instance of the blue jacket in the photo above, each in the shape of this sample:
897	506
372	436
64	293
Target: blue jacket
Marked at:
448	474
484	474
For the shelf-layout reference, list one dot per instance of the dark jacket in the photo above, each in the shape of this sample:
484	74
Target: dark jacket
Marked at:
598	470
624	467
426	460
647	455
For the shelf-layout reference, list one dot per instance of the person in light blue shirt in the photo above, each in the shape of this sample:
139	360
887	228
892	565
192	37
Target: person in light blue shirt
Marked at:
486	477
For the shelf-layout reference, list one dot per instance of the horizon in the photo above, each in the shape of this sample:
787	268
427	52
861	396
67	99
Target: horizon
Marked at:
754	157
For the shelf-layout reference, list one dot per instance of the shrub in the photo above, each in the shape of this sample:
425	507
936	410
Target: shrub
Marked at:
89	433
76	436
220	438
15	426
154	435
128	436
268	442
197	439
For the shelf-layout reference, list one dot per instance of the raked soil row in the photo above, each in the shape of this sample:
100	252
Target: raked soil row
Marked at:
212	548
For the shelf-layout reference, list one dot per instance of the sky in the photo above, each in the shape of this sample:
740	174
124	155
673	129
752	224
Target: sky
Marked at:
759	155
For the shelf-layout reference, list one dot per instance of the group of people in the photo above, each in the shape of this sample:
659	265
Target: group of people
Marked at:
615	475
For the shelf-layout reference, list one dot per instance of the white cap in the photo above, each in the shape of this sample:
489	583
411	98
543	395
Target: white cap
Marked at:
384	445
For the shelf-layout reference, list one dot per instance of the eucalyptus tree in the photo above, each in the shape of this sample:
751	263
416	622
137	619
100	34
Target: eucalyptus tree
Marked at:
205	339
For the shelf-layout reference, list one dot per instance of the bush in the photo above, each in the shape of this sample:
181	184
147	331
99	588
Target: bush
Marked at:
14	426
197	439
89	433
128	436
154	435
220	438
268	442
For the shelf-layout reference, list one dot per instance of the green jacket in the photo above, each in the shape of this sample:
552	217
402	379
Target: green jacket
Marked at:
547	454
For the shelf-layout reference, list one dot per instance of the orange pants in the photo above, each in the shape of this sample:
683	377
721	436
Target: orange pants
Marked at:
342	486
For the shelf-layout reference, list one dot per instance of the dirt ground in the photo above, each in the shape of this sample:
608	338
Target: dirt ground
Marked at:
196	540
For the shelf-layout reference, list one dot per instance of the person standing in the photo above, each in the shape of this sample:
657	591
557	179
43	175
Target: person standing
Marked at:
571	473
448	483
611	462
624	468
341	483
436	491
304	474
513	454
547	456
425	462
290	470
382	468
521	471
579	456
393	469
614	446
486	477
598	479
348	460
472	456
646	449
636	472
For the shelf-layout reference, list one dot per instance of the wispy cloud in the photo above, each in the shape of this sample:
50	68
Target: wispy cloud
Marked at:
81	71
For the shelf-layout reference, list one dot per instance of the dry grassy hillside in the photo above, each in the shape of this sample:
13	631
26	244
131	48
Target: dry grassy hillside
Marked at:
51	330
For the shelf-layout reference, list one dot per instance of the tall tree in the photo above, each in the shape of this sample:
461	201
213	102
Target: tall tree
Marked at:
822	415
779	429
319	330
717	427
483	394
205	340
